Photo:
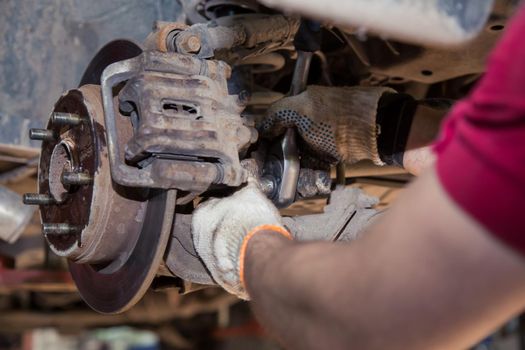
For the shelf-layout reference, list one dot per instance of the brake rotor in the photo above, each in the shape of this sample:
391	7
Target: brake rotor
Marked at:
114	237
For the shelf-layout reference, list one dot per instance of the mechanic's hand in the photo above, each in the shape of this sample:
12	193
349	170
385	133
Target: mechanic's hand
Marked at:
222	227
338	123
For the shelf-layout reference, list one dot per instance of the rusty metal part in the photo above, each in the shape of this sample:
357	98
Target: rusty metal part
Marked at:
181	258
162	36
142	218
106	216
263	33
185	116
187	42
114	237
109	233
114	289
64	158
233	38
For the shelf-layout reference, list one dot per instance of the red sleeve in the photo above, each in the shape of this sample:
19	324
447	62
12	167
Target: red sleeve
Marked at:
481	149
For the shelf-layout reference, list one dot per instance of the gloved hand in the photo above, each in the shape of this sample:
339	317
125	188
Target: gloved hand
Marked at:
336	122
221	229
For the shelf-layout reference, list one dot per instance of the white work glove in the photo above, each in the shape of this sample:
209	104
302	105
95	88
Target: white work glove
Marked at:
221	229
338	123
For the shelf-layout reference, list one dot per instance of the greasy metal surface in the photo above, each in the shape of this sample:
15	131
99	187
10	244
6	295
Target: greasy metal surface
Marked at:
115	291
46	45
185	114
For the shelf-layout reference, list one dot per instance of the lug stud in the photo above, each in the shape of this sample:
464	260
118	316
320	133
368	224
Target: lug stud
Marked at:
66	118
59	229
37	199
42	135
76	178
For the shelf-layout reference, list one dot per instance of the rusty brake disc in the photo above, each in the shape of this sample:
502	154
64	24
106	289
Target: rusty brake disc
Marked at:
114	237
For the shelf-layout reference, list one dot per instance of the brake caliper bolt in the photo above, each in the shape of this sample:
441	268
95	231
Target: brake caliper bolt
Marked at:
189	43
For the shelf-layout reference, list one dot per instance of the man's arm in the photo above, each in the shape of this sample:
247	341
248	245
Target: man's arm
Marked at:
424	129
425	276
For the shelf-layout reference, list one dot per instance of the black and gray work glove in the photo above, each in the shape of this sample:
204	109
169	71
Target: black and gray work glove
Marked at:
338	123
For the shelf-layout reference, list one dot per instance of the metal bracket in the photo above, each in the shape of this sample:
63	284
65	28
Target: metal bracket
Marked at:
121	173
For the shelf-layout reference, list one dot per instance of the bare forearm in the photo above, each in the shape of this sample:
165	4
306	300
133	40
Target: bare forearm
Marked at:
417	281
418	154
415	161
286	291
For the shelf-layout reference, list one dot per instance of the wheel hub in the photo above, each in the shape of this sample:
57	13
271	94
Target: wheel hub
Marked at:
90	219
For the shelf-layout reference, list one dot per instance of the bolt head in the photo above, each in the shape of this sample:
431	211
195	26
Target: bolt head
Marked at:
189	43
194	43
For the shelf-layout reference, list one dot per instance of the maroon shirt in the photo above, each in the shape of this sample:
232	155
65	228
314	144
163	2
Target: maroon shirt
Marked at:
481	149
